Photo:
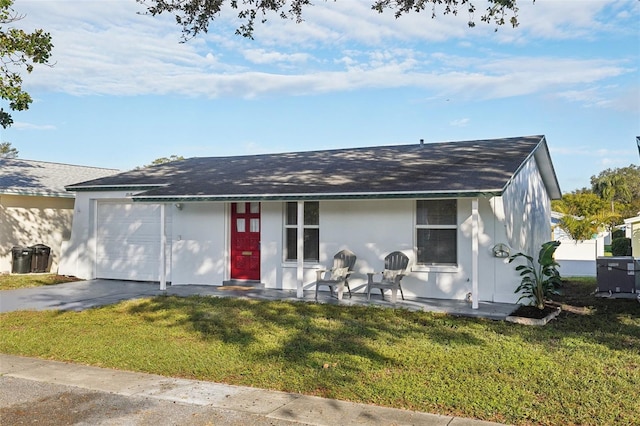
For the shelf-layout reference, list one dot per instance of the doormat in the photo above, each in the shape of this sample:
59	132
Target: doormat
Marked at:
236	287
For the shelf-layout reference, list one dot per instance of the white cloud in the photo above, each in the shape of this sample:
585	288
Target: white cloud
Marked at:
18	125
105	47
262	56
462	122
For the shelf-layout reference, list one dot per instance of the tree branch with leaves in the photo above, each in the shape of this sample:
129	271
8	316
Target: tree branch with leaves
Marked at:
196	16
19	51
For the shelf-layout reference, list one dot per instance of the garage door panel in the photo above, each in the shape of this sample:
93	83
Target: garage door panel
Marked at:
128	241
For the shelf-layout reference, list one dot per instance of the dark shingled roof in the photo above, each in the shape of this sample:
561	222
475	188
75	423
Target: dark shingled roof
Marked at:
442	169
43	178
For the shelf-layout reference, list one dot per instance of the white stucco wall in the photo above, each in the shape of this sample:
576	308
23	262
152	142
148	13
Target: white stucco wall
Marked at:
527	221
374	228
370	228
199	252
26	220
198	241
527	211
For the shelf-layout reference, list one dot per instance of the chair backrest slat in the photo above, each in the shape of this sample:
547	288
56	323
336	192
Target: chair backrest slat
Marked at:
344	259
396	261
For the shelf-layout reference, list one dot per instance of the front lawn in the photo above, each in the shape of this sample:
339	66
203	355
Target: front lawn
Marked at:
581	369
12	282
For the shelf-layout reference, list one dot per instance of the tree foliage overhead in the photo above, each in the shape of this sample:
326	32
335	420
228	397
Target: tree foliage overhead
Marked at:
614	195
164	160
195	16
7	151
19	51
585	214
579	203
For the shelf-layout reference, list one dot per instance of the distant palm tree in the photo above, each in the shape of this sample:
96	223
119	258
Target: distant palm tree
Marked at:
7	151
610	187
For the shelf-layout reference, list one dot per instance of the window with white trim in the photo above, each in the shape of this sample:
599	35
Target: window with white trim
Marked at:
311	231
437	232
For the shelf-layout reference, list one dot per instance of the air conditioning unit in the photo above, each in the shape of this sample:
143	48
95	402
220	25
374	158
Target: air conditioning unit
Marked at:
619	274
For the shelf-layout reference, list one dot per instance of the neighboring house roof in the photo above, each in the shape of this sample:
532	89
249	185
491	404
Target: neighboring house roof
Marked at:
628	225
632	220
451	169
30	177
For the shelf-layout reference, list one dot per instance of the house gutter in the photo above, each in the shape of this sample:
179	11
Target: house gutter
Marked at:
39	194
140	187
318	196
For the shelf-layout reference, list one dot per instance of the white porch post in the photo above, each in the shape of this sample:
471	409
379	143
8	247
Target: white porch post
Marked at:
163	247
300	250
94	246
474	253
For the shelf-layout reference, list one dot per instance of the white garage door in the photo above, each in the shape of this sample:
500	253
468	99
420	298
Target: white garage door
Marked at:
128	241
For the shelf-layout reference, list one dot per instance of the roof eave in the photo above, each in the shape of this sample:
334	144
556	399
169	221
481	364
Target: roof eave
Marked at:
318	196
51	194
543	160
548	173
104	188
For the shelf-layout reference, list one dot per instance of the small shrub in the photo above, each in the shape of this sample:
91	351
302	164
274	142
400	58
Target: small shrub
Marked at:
621	247
618	233
539	279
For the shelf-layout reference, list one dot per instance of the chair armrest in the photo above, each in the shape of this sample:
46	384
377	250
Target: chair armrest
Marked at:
399	277
371	274
319	273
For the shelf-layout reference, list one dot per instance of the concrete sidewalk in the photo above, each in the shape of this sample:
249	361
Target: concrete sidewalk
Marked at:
62	393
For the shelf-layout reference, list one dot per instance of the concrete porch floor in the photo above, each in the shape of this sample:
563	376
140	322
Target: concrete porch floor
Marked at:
489	310
82	295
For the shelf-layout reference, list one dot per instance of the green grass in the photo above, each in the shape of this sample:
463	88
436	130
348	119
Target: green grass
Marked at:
12	282
581	369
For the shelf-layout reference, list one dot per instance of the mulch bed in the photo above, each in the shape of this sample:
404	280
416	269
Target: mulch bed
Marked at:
533	312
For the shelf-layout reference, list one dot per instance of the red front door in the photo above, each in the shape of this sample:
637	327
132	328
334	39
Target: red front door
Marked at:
245	241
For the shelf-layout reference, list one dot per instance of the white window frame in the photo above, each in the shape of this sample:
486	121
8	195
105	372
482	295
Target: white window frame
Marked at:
304	227
436	266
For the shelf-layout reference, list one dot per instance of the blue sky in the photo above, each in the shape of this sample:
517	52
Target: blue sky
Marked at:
124	90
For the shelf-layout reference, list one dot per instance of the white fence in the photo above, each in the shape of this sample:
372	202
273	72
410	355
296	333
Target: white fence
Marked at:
578	258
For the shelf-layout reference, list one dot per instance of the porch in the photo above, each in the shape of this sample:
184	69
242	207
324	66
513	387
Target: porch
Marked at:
81	295
488	310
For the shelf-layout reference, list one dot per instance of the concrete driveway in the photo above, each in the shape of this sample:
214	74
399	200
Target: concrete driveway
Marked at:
75	296
81	295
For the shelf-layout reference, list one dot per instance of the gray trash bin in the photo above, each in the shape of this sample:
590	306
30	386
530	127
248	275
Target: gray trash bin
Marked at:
21	260
40	258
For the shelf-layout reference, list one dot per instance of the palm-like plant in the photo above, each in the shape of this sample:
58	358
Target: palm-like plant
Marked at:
539	279
612	187
584	228
578	228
